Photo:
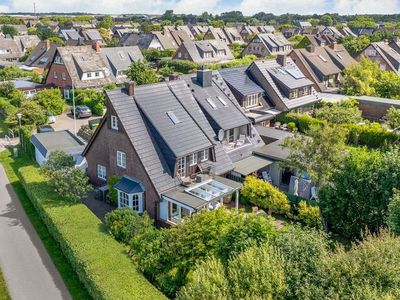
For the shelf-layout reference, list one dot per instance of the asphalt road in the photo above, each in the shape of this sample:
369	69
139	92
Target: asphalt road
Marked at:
28	270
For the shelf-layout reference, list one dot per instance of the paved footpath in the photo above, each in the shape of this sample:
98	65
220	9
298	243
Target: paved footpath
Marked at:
27	268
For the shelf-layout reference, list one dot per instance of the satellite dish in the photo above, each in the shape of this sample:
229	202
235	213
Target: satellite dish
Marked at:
221	134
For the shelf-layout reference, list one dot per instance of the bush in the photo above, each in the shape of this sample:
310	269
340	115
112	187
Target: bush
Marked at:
181	66
309	215
265	195
291	126
345	112
99	261
58	160
51	100
393	218
124	224
152	54
94	99
112	193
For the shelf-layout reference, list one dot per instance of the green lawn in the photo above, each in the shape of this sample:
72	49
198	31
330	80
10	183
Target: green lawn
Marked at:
3	127
69	276
3	289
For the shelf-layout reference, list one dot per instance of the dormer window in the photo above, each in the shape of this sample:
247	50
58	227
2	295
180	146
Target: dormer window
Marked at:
252	100
204	155
114	122
293	94
181	167
193	159
58	60
89	75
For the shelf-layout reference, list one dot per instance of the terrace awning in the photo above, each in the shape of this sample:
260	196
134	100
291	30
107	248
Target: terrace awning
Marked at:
251	164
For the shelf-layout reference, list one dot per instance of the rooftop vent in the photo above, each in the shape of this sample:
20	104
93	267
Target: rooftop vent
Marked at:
204	77
130	88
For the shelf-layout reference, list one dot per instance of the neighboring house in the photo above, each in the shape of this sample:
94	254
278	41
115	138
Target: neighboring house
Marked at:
199	30
290	32
174	144
395	44
78	66
92	36
265	44
346	31
323	65
248	32
216	34
331	31
143	41
203	52
118	60
119	32
178	30
171	40
22	29
25	42
53	26
47	142
385	55
364	31
304	24
316	40
233	35
69	34
29	88
250	96
42	56
11	49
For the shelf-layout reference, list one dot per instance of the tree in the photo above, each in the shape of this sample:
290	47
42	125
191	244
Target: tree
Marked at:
106	22
70	183
357	198
56	161
32	31
105	34
32	114
309	215
361	78
326	20
344	112
388	85
9	29
207	282
263	194
393	117
257	273
304	250
393	218
94	99
355	45
51	100
45	33
318	154
6	88
362	22
141	73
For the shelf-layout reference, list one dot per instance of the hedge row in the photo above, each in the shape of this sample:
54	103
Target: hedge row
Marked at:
100	262
370	135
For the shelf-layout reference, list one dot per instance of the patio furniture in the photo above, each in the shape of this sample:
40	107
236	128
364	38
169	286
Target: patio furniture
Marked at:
266	176
241	140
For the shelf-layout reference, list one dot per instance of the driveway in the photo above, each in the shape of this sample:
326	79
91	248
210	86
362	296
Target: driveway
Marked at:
28	270
66	121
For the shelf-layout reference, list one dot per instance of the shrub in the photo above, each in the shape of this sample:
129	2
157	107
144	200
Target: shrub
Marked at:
110	86
98	260
393	117
94	99
58	160
291	126
181	66
124	224
309	215
263	194
142	73
112	193
345	112
393	218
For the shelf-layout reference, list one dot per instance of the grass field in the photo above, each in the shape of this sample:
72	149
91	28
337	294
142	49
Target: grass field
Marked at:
3	289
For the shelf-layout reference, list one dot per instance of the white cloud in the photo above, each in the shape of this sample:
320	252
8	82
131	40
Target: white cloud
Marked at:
195	6
366	6
4	8
250	7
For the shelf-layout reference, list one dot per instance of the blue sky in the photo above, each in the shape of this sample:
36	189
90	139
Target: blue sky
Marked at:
248	7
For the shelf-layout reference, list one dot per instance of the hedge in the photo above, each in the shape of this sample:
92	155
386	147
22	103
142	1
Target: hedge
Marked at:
101	262
370	135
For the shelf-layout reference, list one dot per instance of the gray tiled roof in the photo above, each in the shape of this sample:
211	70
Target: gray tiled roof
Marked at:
119	59
238	79
41	56
180	139
9	49
26	41
69	34
197	48
390	55
224	117
141	138
92	35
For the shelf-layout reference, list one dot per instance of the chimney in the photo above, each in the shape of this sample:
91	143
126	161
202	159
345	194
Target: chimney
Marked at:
311	48
334	45
80	41
130	88
281	59
172	77
48	45
96	46
386	41
204	77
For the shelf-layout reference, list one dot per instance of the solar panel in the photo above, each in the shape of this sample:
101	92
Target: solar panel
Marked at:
295	73
212	104
173	117
222	101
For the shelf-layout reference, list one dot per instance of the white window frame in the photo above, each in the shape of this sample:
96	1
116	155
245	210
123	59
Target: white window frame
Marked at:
63	76
88	75
97	74
55	76
114	122
204	155
252	100
121	159
67	94
101	172
123	199
136	202
181	167
193	159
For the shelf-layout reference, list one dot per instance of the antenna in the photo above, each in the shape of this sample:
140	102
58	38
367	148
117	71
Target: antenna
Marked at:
34	9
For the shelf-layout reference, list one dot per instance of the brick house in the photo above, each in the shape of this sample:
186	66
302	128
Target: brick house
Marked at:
265	44
174	144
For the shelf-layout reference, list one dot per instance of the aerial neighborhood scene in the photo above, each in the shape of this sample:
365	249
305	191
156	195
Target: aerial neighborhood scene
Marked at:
200	150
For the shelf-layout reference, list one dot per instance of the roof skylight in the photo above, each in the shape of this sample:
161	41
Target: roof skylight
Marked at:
341	57
212	104
322	58
173	117
222	101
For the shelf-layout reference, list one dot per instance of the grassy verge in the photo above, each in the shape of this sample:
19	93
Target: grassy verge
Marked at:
66	271
3	288
101	263
3	127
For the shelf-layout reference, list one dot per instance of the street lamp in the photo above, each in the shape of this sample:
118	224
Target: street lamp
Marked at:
73	105
19	116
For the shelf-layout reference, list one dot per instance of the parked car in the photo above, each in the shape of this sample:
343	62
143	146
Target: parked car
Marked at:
45	128
94	123
82	111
